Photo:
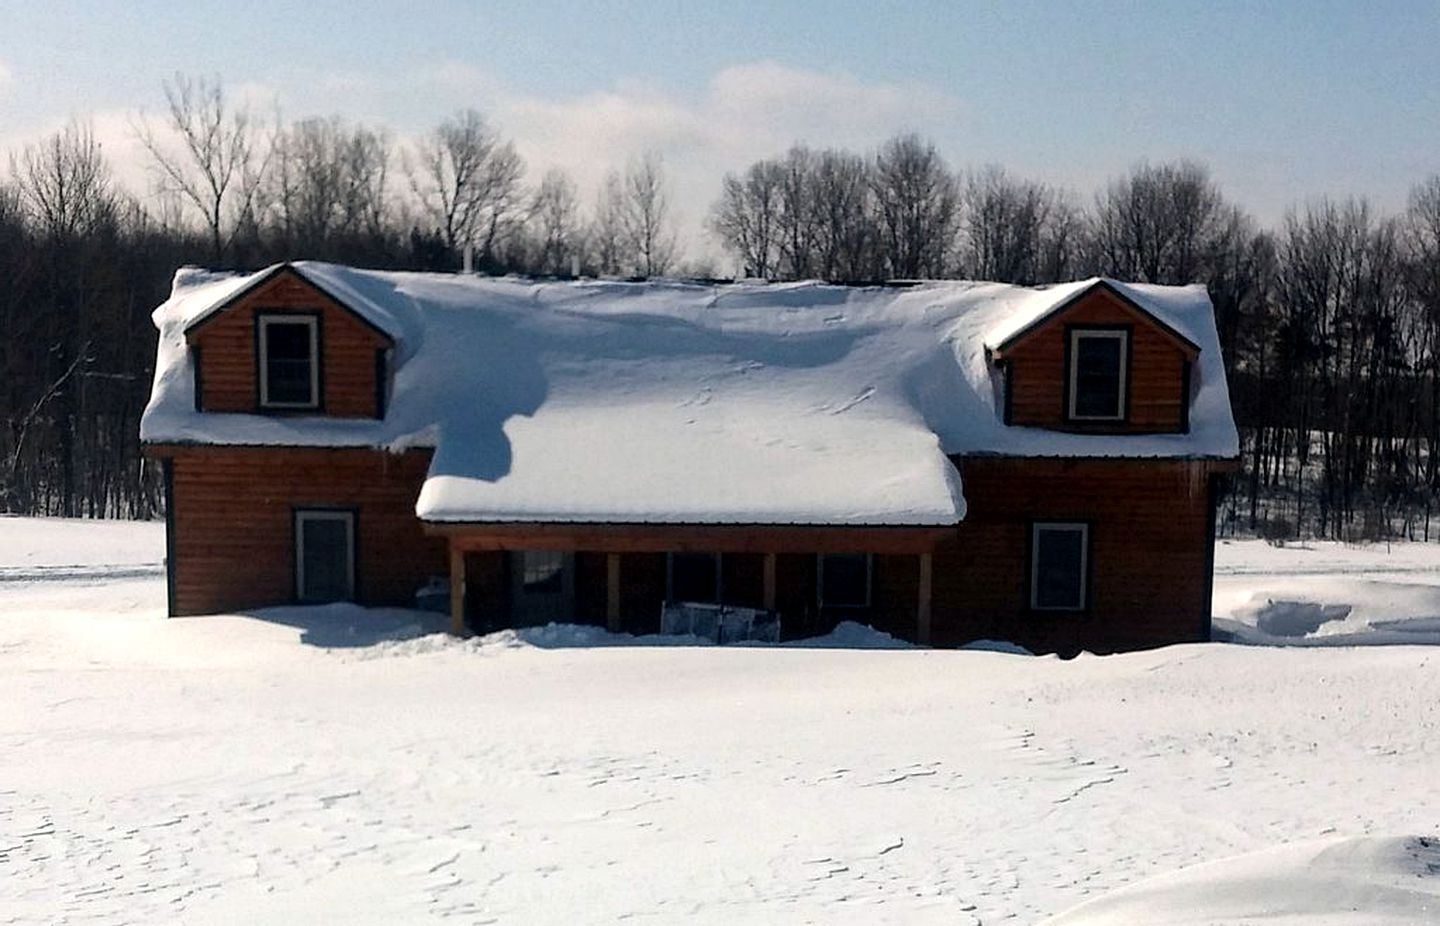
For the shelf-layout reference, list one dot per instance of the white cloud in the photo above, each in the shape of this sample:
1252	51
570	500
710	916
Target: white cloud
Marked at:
746	112
7	77
112	130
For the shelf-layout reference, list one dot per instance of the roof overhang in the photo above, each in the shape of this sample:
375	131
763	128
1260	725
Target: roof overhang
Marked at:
691	538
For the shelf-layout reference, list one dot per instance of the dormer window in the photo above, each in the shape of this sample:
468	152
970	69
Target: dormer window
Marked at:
289	347
1098	365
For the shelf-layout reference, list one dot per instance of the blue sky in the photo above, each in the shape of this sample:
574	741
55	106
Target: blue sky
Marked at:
1284	100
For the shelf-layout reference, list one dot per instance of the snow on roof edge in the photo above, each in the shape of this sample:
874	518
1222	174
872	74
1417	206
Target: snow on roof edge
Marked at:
1063	295
755	394
228	286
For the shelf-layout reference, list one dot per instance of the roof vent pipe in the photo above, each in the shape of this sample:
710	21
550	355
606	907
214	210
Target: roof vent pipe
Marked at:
467	259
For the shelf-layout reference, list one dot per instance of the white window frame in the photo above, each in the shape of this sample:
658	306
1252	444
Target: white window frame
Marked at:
820	581
670	575
1073	374
1070	526
313	323
303	515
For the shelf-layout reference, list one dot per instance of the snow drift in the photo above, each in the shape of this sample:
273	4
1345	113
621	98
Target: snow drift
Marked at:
1364	881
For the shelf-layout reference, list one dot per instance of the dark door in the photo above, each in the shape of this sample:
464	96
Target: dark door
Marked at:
542	587
324	555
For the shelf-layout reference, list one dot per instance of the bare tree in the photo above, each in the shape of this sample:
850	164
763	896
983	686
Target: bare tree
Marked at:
468	181
1062	241
366	156
64	183
1158	224
607	229
327	184
746	217
1422	241
846	231
1015	231
798	225
918	205
1340	283
221	162
649	232
555	222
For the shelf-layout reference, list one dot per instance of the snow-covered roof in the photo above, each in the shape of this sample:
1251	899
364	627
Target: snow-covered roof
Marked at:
1030	311
206	294
670	402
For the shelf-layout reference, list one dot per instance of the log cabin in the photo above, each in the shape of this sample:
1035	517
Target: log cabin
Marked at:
944	461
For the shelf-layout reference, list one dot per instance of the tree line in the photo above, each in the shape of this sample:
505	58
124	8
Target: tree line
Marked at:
1330	322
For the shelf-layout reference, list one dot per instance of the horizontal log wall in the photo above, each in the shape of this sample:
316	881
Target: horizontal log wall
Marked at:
1148	546
234	543
233	549
1038	373
228	355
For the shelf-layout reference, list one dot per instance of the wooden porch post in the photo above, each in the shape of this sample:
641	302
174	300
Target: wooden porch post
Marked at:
457	590
922	614
612	592
769	593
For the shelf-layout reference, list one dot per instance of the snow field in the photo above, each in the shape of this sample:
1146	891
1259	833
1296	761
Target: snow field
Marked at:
325	764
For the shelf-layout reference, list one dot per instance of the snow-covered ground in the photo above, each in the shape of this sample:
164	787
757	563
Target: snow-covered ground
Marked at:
1327	594
329	764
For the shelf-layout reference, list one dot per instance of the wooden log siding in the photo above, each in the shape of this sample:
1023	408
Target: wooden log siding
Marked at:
234	548
1155	387
1149	572
233	510
229	363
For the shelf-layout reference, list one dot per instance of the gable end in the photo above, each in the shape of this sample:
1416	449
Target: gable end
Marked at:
1187	346
260	280
1140	385
342	360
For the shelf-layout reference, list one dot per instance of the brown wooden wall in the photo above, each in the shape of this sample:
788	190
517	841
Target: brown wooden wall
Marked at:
228	351
1149	554
1037	377
233	550
233	540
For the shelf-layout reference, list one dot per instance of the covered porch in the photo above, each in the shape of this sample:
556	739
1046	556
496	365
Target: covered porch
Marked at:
616	573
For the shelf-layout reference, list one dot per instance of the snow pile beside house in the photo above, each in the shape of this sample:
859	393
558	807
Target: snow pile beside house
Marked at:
1359	881
1327	594
383	632
602	401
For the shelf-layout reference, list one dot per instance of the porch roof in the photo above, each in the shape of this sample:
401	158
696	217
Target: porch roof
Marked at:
690	538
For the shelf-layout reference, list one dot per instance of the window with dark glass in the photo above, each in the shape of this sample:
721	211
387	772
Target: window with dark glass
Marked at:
289	361
324	555
694	577
1059	563
844	580
1097	374
542	570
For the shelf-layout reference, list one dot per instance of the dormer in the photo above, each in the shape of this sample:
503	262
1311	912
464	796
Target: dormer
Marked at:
284	346
1097	362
